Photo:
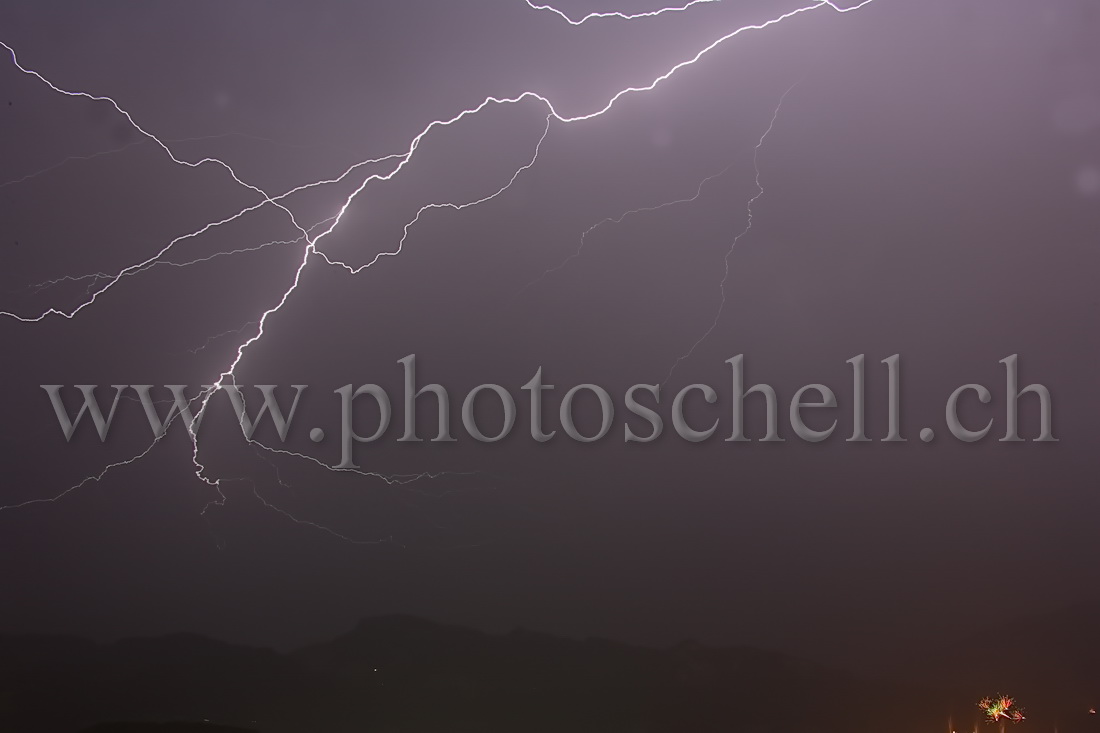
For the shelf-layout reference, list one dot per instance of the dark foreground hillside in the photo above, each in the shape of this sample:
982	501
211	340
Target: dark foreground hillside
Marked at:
404	674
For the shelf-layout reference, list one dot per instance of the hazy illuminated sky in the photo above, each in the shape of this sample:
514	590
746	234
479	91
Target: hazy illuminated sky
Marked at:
931	189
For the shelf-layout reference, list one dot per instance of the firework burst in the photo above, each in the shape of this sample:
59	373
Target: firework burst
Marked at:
1001	708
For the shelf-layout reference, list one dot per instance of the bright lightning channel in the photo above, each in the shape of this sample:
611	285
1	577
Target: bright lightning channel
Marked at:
311	248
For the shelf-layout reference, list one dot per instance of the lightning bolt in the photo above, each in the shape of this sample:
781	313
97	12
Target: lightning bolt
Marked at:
223	334
445	205
617	14
96	277
123	148
309	241
621	217
61	164
733	243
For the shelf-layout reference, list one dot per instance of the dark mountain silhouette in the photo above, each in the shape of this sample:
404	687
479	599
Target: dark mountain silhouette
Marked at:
406	674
